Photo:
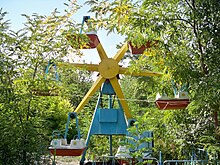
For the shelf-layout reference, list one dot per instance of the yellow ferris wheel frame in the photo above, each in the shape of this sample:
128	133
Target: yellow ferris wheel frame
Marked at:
108	69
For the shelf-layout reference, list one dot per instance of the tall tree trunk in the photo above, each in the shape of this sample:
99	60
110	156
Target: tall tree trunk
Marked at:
215	118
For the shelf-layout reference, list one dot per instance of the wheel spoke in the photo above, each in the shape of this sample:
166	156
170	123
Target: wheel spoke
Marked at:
121	53
96	85
120	95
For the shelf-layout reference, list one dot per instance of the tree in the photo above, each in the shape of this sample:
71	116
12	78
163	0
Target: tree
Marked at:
187	35
27	120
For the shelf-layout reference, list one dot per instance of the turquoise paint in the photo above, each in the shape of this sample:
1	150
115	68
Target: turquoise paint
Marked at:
107	121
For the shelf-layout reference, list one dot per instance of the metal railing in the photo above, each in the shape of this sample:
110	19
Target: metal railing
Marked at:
185	162
191	162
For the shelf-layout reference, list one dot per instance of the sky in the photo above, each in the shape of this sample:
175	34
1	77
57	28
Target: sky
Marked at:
44	7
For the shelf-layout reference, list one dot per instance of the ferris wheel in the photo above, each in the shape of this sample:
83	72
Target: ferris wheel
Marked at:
111	120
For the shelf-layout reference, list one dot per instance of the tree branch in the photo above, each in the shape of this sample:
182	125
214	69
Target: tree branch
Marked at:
181	19
198	39
189	4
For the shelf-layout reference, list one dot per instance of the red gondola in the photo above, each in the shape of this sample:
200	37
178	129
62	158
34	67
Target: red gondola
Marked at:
172	104
59	147
93	41
139	50
67	152
180	101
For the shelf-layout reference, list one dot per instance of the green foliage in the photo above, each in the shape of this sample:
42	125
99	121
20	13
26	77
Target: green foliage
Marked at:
188	48
28	118
186	37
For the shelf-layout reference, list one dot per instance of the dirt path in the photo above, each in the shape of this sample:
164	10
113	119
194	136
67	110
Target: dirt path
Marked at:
67	161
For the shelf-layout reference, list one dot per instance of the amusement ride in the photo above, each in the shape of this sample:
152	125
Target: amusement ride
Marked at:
113	120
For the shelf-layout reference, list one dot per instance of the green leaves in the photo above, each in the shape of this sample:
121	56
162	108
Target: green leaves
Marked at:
188	48
27	119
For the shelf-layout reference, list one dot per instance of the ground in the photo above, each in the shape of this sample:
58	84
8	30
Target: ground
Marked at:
67	160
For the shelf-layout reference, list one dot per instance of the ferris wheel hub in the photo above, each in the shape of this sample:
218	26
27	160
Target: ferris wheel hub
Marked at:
108	68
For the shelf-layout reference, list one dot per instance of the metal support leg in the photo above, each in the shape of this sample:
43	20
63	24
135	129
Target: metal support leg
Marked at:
110	145
160	158
84	153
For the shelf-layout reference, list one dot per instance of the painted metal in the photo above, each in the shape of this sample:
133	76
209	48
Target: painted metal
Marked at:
67	152
185	162
128	71
172	104
72	115
110	145
108	68
49	65
139	49
96	86
120	54
120	95
122	70
198	156
90	67
101	52
85	19
93	41
67	126
107	121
